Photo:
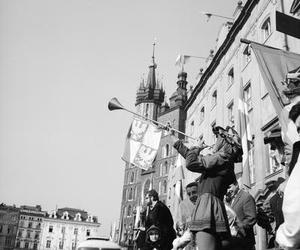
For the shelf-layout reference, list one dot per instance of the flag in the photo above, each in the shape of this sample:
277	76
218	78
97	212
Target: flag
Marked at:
181	60
142	143
245	134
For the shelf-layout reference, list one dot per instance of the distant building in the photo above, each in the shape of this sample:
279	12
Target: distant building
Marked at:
64	228
29	227
8	226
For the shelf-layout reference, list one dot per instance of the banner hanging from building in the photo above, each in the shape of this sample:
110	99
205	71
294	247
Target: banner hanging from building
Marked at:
274	64
142	143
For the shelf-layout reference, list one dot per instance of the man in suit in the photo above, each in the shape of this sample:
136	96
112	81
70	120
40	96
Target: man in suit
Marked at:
243	205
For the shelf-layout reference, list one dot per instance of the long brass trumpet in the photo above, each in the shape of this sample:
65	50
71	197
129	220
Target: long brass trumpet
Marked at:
114	104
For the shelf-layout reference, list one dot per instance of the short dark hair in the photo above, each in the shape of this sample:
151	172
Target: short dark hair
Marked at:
192	184
154	194
294	112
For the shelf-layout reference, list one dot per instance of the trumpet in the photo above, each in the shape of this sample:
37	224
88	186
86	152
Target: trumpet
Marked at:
114	104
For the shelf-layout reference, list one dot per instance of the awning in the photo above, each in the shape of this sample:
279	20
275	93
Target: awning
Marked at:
274	64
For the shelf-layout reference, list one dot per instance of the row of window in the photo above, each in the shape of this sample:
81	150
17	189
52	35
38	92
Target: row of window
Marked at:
63	230
35	235
30	225
247	99
27	245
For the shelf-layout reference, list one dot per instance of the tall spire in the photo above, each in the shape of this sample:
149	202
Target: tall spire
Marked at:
153	53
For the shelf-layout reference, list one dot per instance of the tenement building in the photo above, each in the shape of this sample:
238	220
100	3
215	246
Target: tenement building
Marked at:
242	87
29	227
65	228
8	226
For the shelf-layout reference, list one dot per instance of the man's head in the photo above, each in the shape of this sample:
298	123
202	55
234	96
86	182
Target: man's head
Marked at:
294	114
232	190
151	196
192	191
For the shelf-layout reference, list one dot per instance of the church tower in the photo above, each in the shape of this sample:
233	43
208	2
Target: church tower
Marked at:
150	94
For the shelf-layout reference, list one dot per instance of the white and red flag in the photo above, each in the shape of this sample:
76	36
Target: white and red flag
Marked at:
142	143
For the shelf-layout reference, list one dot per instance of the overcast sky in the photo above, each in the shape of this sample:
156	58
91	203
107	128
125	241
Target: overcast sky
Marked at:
61	61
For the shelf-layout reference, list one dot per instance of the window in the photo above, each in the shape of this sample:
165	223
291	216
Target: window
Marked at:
214	99
28	235
88	232
147	110
246	55
78	217
266	29
230	116
7	241
26	244
248	96
36	235
35	246
132	177
50	229
20	234
192	127
30	224
167	150
165	168
129	211
48	244
130	196
63	230
202	114
18	244
8	230
38	225
75	230
230	77
61	245
1	228
73	245
213	124
165	186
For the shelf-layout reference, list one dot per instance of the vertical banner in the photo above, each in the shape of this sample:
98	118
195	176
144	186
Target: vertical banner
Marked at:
142	143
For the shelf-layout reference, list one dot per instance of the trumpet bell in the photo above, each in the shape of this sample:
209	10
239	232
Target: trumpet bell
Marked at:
114	104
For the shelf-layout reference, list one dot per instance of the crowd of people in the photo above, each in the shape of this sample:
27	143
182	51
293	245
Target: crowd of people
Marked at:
217	213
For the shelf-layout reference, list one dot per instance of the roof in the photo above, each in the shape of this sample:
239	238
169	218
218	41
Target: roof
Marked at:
221	52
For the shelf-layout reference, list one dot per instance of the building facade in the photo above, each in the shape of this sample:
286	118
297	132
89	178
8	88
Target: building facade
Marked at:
65	228
234	75
29	227
9	216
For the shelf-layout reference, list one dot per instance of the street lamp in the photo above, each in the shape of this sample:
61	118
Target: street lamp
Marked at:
209	15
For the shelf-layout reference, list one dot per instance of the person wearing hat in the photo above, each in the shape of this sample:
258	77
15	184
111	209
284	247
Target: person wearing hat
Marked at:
209	219
153	238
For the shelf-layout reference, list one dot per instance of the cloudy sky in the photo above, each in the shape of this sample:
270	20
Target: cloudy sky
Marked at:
61	61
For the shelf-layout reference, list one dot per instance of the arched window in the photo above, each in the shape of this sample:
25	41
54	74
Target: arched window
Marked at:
214	99
266	29
230	77
130	194
165	170
132	177
78	217
165	186
129	211
167	150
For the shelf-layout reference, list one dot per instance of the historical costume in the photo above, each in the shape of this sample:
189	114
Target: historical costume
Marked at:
217	173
